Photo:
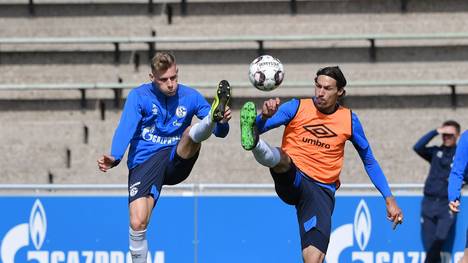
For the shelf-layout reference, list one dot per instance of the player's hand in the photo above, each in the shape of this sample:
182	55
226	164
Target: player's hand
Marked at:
394	212
227	115
454	206
106	162
270	107
446	130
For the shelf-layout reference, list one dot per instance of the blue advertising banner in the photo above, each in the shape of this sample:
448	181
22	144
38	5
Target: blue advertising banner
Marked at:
209	229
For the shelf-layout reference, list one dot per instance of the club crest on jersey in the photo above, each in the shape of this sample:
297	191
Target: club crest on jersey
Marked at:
154	109
181	111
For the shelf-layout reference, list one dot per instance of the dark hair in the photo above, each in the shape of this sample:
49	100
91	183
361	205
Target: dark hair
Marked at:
334	73
453	124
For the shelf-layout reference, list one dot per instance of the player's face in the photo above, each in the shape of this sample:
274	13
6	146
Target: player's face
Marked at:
326	93
166	81
450	136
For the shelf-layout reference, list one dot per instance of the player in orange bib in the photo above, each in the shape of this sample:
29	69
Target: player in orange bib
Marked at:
307	167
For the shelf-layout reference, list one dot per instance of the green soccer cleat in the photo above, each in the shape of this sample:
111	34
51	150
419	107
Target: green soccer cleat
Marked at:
249	135
221	100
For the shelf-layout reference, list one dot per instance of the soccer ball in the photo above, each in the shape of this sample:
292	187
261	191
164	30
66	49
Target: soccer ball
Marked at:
266	73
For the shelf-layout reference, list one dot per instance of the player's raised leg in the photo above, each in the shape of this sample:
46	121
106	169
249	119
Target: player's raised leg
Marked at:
266	155
189	144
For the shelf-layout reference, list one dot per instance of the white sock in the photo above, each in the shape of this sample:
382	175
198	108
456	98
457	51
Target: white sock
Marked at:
138	246
202	130
266	155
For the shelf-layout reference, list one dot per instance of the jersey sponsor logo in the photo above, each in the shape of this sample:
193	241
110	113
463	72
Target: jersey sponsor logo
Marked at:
148	135
316	142
440	154
176	123
30	236
320	131
181	111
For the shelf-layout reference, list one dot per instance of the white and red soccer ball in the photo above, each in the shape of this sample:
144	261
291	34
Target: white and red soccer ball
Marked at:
266	73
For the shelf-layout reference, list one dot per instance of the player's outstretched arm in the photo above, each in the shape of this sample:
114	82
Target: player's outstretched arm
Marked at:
394	212
106	162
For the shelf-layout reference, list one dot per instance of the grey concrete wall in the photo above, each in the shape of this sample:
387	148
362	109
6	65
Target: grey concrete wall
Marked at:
209	62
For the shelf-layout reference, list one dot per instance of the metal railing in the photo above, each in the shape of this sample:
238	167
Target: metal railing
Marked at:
184	187
201	187
183	5
117	87
151	41
196	189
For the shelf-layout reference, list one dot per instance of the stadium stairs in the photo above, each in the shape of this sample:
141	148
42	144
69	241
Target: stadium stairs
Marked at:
393	118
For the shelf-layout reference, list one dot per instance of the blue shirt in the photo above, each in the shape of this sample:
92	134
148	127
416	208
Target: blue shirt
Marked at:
287	112
459	170
440	158
152	121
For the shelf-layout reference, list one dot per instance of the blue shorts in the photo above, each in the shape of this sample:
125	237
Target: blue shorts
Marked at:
466	244
165	167
314	206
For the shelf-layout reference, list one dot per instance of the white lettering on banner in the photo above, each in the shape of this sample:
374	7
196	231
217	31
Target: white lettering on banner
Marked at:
398	257
414	256
57	256
20	235
382	257
89	257
73	257
343	237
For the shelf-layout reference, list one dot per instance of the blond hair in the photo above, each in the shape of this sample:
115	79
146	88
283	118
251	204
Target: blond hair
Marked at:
162	61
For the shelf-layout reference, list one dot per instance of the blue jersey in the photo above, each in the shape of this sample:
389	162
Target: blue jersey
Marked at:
440	158
459	170
287	112
152	121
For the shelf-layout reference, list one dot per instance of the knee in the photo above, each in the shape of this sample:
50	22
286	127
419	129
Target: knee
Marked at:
187	147
186	132
311	254
284	165
138	223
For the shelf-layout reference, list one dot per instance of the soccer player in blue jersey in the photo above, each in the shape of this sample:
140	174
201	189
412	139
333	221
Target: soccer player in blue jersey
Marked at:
436	218
164	146
306	168
459	173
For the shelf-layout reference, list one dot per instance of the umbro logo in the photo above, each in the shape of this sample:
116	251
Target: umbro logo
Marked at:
320	131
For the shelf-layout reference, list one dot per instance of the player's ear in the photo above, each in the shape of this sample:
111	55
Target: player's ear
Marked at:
341	92
151	76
